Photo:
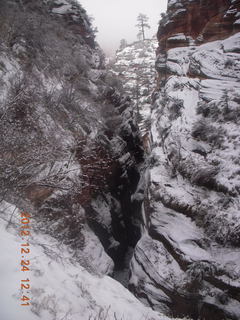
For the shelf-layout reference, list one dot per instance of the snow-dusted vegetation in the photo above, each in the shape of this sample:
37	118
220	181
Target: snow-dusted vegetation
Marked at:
134	65
187	262
68	146
92	228
61	288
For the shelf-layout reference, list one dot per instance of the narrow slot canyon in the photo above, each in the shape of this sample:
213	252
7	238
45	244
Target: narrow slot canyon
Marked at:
127	165
126	224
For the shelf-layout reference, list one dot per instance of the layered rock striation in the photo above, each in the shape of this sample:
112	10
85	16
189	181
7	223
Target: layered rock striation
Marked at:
187	261
199	21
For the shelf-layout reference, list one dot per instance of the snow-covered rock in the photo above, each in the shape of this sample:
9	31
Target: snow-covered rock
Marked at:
59	286
69	151
187	261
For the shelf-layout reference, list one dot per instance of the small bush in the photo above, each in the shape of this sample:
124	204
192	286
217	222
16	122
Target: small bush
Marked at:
204	131
205	176
229	62
208	110
175	109
201	269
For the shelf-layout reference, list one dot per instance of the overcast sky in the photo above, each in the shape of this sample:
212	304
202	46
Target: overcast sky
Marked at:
116	19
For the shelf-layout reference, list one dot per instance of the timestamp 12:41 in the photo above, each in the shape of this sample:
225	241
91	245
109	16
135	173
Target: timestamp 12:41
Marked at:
25	262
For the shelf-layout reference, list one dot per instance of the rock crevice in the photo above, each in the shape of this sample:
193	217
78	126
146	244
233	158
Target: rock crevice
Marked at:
192	238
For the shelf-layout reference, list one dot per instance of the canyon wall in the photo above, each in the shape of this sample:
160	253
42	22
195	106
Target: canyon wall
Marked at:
70	144
187	261
70	151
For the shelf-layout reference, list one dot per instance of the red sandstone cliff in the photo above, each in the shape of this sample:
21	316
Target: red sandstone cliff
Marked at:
198	20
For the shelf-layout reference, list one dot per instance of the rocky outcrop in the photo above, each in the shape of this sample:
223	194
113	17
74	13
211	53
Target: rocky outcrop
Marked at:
70	152
187	261
200	21
70	145
189	23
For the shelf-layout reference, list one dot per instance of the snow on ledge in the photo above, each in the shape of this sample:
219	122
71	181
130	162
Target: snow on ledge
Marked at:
60	287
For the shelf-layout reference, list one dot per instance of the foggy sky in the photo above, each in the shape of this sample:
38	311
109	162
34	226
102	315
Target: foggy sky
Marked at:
116	19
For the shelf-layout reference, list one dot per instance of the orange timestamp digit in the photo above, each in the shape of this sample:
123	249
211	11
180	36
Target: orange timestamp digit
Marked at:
25	251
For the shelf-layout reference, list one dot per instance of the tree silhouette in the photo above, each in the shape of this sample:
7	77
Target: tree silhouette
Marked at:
142	24
123	44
